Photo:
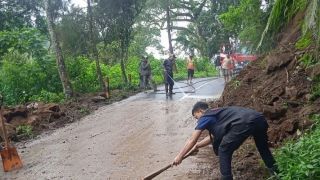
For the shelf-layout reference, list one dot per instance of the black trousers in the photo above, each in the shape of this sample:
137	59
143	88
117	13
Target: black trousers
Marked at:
168	81
236	136
190	73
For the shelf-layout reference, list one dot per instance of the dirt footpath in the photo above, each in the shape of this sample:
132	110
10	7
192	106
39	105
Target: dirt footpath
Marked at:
126	140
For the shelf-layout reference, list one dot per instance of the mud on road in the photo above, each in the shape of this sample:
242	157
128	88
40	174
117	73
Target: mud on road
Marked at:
125	140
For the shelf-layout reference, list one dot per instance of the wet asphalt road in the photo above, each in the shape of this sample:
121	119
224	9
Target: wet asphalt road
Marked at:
205	88
125	140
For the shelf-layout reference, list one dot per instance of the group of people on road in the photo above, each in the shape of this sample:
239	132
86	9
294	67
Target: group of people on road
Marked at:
225	66
168	68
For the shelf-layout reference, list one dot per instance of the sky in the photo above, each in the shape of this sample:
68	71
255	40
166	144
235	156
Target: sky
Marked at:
163	36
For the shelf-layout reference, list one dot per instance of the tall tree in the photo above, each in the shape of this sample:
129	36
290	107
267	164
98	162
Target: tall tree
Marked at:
169	28
152	19
67	88
93	47
191	11
238	21
116	22
16	14
203	31
72	30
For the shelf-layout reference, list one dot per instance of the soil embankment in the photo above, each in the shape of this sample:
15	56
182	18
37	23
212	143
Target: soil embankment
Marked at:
280	87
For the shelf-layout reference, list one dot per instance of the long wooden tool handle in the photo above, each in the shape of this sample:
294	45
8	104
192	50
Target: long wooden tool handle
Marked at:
152	175
5	135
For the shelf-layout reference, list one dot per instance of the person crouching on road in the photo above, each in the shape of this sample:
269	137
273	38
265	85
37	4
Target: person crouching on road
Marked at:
168	74
230	127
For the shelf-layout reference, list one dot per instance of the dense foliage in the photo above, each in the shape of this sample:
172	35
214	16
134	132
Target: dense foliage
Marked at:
300	160
281	14
245	27
24	78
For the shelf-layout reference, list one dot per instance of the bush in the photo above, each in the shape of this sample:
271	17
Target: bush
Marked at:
25	130
46	96
22	77
82	73
25	40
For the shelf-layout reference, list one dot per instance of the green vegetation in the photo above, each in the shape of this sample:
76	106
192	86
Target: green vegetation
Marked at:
300	160
24	79
45	96
25	131
282	12
315	92
235	83
25	40
248	28
82	72
84	110
307	60
304	42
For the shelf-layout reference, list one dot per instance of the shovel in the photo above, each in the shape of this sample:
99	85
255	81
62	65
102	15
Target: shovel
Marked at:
154	174
9	154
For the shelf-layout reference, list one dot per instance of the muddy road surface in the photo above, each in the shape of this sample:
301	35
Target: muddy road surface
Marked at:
126	140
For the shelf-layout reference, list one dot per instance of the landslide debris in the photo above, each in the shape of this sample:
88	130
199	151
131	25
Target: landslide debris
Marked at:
41	117
278	85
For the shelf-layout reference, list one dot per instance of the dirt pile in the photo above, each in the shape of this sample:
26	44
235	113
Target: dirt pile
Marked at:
41	116
277	85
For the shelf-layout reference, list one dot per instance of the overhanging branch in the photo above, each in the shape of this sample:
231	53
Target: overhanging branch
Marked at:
183	20
179	28
177	14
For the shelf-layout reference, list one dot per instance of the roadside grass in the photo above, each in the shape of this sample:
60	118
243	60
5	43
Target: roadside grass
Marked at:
301	159
25	131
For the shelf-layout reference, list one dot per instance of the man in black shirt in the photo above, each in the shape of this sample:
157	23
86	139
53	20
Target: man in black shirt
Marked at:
230	127
168	65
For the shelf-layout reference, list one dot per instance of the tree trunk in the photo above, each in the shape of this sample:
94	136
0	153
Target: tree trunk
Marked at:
123	69
67	88
169	28
94	49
